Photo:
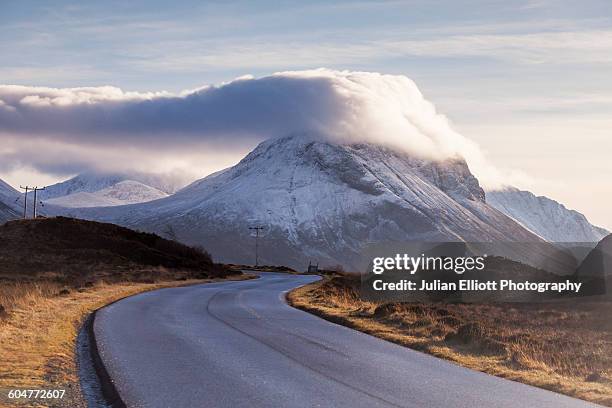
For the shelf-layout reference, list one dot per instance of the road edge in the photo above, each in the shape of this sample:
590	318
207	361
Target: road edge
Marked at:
107	387
108	391
293	301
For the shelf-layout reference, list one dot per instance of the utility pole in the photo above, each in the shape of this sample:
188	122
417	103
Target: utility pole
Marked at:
36	189
25	200
256	229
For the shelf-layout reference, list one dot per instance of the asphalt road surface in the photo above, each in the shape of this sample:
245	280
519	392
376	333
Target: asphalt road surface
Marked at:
238	344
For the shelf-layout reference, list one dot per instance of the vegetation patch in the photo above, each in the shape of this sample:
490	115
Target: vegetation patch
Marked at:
54	272
562	347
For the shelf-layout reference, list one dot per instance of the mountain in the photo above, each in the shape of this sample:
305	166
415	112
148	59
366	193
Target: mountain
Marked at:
598	262
7	192
545	217
596	269
95	181
12	203
7	213
8	205
323	202
124	192
107	189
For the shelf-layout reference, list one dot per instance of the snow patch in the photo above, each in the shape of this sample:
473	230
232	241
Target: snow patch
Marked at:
545	217
123	192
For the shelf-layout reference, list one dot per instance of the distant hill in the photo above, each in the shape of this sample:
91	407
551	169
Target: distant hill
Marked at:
95	181
94	189
6	190
124	192
74	250
7	213
596	268
545	217
8	205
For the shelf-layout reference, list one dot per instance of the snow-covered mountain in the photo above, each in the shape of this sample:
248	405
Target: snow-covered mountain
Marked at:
545	217
104	189
322	201
123	192
8	205
6	191
7	213
95	181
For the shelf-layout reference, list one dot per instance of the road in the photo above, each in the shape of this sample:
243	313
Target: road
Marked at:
238	344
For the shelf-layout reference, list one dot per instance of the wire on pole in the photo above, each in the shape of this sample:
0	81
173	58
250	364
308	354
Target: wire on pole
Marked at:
25	200
36	189
257	228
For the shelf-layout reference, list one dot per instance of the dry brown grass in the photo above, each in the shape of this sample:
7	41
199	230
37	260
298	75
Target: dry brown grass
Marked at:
78	252
39	329
565	348
55	271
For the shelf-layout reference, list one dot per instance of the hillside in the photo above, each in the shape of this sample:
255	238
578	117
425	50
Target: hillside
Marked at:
545	217
54	272
596	268
90	182
6	190
124	192
323	202
8	206
7	213
77	252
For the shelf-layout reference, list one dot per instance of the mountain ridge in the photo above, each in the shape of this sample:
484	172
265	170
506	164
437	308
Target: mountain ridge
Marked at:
94	181
544	216
8	202
322	201
123	192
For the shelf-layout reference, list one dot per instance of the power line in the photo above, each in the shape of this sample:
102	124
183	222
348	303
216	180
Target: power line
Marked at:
257	228
25	200
36	189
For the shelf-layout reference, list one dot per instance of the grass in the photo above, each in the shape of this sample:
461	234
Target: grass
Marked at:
566	348
79	252
38	330
55	271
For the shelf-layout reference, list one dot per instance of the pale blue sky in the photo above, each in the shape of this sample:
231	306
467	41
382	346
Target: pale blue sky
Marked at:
530	81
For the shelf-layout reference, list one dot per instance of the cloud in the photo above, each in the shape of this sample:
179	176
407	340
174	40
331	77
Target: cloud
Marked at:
55	129
552	45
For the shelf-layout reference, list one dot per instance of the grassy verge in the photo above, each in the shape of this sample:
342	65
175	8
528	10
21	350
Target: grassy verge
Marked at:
563	348
38	328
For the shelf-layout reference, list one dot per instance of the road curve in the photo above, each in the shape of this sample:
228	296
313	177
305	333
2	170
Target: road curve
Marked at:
238	344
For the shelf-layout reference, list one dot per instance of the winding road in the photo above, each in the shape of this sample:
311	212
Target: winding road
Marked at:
238	344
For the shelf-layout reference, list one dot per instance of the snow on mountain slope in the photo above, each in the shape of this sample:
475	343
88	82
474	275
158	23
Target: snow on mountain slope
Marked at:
92	182
324	202
7	213
123	192
545	217
8	205
12	203
6	190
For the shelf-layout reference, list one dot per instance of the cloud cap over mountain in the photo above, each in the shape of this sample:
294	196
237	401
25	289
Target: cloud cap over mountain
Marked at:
103	127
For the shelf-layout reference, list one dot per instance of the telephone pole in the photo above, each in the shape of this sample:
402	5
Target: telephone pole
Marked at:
25	200
256	229
36	189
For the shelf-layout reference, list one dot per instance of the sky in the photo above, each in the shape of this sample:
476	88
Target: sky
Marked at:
528	81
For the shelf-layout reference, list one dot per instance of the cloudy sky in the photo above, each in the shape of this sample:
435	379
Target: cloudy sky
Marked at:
528	81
